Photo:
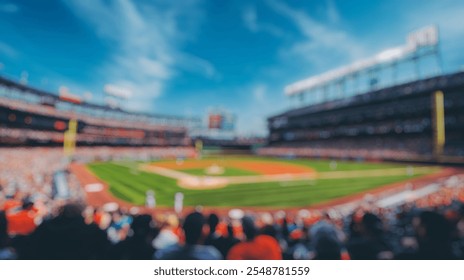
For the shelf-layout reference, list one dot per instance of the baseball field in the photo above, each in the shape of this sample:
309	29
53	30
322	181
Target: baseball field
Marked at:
248	181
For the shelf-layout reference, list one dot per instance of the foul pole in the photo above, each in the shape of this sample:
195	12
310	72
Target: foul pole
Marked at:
438	117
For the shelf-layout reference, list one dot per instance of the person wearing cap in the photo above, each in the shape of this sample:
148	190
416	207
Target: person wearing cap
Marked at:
195	231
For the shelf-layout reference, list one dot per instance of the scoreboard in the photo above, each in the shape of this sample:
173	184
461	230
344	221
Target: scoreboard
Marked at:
224	121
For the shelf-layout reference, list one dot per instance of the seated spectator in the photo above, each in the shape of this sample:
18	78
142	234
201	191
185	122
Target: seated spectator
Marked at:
169	233
68	237
119	226
22	221
223	244
195	230
433	233
369	242
256	247
326	240
138	246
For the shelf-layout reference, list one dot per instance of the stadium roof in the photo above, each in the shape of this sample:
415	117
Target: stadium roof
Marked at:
427	36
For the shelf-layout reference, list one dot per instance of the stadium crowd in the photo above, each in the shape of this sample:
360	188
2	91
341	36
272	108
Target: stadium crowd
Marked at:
340	153
37	224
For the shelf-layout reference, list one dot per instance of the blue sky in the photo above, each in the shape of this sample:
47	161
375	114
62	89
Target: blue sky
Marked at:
184	57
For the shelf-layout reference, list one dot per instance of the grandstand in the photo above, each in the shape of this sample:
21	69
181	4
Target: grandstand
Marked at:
418	120
394	123
29	116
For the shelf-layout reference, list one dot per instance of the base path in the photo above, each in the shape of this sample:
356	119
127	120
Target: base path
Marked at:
189	181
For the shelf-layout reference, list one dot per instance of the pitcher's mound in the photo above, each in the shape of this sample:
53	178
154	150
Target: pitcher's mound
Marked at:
198	183
214	170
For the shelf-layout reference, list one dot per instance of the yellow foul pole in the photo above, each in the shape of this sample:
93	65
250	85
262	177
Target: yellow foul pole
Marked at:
438	115
69	142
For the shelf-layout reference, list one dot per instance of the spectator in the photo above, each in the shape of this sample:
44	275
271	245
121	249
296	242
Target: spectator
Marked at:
68	237
433	234
22	221
169	233
119	226
138	246
195	231
256	247
223	244
369	242
326	240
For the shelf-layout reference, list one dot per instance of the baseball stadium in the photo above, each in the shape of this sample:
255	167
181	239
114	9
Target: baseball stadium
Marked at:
360	159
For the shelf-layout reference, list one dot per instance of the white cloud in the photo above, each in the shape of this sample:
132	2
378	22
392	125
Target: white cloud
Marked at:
322	43
332	12
197	64
9	8
156	68
147	43
250	20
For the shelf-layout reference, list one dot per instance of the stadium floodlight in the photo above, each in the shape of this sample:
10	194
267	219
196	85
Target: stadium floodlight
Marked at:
427	36
117	91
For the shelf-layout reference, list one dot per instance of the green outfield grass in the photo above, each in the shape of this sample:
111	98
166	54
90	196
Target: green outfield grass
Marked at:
318	165
130	184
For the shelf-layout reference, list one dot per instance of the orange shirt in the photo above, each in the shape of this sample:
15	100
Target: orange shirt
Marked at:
97	218
222	230
21	223
11	204
263	247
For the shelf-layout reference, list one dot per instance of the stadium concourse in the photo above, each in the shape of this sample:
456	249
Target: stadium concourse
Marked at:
45	215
